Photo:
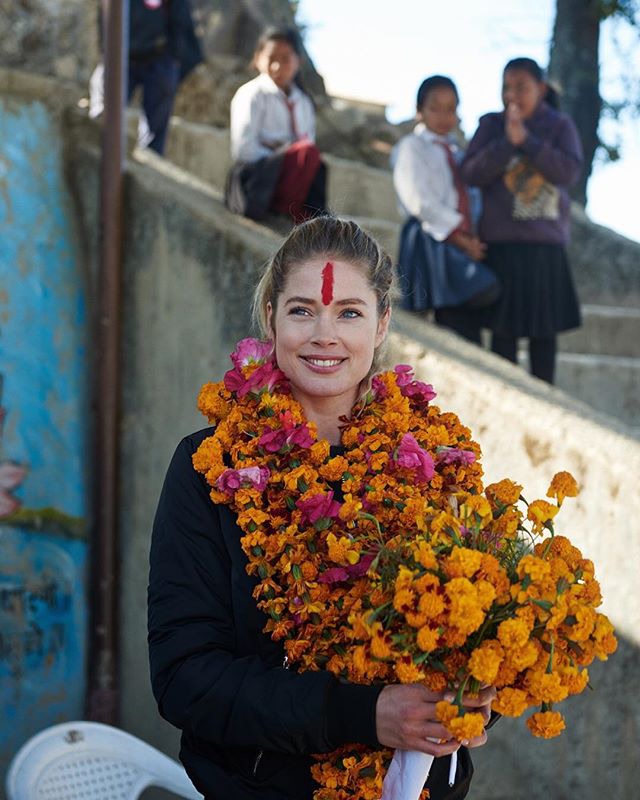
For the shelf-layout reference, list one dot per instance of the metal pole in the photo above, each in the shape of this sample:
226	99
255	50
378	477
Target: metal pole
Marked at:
103	685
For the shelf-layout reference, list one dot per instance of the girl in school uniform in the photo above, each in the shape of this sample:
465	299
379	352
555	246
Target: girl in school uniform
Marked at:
524	159
440	254
276	165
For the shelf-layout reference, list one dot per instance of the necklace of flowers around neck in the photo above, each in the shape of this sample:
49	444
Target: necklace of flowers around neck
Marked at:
313	520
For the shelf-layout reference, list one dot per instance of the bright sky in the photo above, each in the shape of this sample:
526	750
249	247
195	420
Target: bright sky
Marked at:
382	50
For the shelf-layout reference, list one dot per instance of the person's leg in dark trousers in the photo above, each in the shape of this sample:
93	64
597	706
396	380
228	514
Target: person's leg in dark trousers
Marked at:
505	346
462	321
542	358
159	87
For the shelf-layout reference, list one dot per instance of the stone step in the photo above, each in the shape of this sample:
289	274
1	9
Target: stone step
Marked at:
606	330
610	384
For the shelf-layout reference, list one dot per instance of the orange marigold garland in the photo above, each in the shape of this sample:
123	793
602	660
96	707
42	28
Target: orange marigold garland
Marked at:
387	562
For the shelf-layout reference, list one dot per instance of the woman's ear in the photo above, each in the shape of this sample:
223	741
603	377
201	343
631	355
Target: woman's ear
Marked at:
270	321
383	327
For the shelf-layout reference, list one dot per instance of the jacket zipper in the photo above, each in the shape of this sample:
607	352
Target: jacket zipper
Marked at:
256	764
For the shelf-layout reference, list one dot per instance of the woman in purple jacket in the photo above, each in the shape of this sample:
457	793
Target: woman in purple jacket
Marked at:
524	159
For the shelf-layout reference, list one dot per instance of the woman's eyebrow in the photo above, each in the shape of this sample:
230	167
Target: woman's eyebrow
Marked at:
306	300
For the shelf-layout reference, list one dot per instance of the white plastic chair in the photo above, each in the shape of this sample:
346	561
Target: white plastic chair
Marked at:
90	761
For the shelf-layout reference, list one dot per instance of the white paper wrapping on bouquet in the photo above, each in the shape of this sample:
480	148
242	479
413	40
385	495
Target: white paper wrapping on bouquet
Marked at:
408	772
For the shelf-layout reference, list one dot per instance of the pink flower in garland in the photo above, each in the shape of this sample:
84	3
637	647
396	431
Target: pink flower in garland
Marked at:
287	436
319	510
251	351
411	456
265	378
378	388
454	455
340	574
233	479
416	390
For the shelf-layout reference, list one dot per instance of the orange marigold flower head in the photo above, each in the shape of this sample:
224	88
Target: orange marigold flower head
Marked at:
408	672
575	679
546	724
427	639
510	702
414	514
343	550
468	726
454	637
589	592
350	508
560	569
541	513
507	674
319	451
605	641
485	661
404	578
404	600
527	615
446	711
545	687
415	618
586	567
525	656
486	593
513	633
504	493
585	620
456	665
213	402
506	525
426	583
534	567
463	562
431	603
381	643
435	680
334	468
562	485
251	517
423	553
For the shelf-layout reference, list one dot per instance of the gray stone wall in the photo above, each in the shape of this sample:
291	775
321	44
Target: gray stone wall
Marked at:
50	37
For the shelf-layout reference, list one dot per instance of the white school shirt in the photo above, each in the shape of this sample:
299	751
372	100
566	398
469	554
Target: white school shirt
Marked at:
424	184
259	117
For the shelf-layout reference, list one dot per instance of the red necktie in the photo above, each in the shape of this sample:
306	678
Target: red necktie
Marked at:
292	118
463	198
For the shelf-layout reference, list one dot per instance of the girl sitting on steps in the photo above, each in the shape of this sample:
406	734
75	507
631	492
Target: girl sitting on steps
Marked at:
277	166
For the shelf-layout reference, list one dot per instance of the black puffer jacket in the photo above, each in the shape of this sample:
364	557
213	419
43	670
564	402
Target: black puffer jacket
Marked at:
248	724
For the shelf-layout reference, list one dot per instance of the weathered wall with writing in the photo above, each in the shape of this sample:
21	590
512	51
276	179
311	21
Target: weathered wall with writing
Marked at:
43	416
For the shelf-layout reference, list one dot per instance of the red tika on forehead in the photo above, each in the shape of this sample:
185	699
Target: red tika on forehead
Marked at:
327	283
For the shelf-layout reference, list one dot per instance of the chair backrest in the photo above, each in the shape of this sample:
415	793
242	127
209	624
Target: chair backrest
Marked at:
91	761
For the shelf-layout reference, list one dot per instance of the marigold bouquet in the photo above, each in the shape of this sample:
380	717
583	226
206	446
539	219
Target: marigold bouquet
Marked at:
385	560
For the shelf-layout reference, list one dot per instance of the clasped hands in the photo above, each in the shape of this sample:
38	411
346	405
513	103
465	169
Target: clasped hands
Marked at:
514	127
406	718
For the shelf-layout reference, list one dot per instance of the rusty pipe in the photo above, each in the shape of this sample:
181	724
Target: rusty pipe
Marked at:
103	683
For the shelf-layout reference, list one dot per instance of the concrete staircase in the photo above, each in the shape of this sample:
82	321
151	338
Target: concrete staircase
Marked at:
598	363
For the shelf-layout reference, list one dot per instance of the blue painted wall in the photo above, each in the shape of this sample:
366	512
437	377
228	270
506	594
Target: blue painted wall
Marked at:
43	459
